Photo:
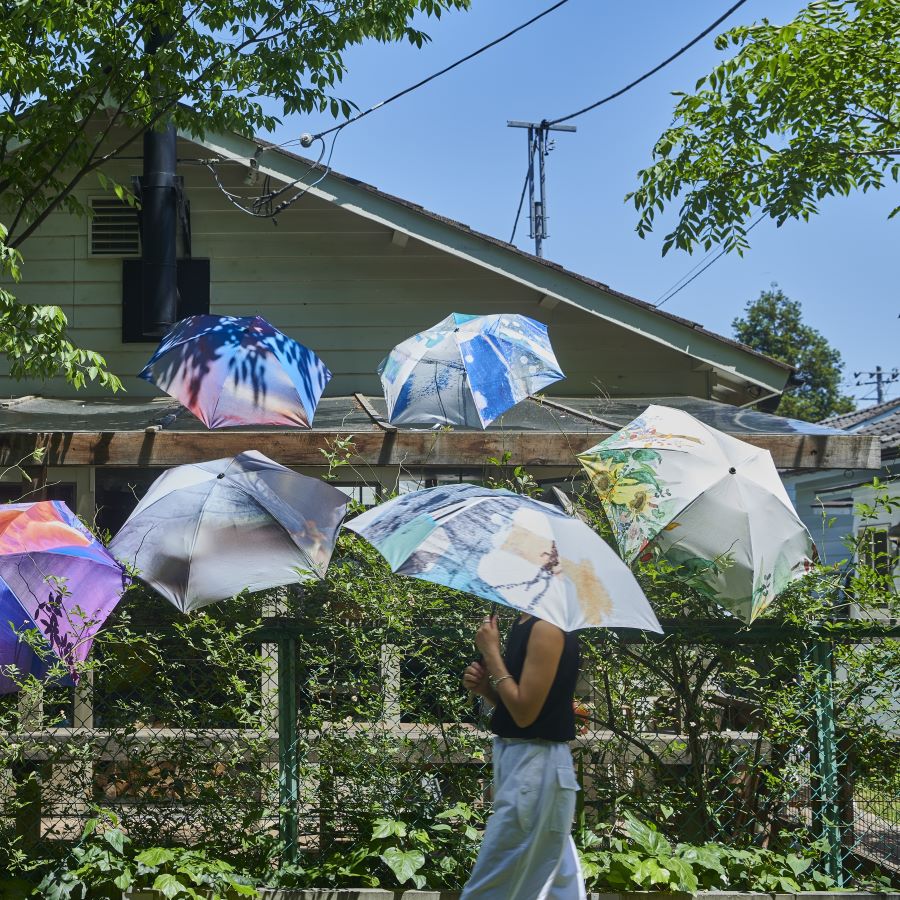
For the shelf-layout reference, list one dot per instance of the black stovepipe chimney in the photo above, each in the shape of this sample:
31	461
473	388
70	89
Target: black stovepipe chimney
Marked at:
159	222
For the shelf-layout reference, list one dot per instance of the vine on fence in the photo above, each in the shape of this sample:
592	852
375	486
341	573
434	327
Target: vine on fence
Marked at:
713	734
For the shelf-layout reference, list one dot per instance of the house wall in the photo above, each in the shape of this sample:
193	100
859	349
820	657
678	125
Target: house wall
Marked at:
828	516
828	504
334	281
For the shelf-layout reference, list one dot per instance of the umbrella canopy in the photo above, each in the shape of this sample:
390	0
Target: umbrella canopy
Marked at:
508	549
467	370
706	501
56	577
208	531
238	371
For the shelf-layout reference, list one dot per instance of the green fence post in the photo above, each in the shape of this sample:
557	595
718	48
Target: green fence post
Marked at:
826	807
288	785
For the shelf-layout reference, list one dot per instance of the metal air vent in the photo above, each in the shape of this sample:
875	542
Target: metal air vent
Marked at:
113	228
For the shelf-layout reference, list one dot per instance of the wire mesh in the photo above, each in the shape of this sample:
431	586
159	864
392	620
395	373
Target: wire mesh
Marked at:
293	739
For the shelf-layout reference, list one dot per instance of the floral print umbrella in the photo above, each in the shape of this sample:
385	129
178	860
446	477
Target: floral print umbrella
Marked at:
55	578
467	370
706	501
508	549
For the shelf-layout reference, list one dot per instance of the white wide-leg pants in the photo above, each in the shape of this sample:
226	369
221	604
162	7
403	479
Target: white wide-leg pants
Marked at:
528	852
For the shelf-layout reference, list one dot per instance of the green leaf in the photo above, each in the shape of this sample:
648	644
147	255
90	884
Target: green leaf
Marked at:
168	885
155	856
115	838
385	828
404	864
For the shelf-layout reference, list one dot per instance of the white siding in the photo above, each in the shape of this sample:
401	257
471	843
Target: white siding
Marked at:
334	281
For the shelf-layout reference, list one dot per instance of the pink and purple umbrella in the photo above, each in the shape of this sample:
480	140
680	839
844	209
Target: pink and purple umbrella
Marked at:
55	578
238	371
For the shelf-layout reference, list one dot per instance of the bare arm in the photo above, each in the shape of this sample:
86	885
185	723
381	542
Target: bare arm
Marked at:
524	699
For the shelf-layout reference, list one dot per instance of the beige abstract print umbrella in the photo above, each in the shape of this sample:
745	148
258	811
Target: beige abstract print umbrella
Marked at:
704	500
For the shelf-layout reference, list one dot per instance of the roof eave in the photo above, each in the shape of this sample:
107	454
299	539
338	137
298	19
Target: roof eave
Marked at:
731	360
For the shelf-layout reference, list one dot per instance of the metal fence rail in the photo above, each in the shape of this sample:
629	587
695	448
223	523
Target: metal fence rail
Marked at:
290	739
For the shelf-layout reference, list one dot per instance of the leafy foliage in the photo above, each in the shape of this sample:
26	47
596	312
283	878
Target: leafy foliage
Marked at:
709	732
803	111
33	338
104	863
643	860
773	324
81	82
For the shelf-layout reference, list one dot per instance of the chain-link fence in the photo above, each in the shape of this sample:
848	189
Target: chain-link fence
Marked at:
292	737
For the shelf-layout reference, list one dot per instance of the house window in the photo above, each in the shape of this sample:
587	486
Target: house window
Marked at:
23	492
113	228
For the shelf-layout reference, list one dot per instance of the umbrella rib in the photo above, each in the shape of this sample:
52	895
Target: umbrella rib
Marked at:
213	484
215	408
190	337
261	504
752	554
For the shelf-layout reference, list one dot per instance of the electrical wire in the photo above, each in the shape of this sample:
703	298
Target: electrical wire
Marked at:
444	71
264	201
719	255
261	206
652	71
512	237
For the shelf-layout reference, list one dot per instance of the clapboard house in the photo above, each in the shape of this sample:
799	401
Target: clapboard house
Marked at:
349	271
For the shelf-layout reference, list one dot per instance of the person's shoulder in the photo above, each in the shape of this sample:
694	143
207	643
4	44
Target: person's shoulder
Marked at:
547	632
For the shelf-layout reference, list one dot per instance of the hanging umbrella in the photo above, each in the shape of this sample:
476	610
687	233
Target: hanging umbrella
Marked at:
467	370
207	531
508	549
238	371
708	502
55	577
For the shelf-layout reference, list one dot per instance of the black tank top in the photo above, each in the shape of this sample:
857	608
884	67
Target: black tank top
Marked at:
556	720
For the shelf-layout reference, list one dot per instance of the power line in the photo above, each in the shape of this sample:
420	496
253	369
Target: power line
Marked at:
443	71
652	71
668	296
512	237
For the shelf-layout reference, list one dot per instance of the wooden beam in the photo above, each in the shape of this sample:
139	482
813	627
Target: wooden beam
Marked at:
410	449
373	413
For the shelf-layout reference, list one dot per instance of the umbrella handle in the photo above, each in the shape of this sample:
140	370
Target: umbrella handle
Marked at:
493	612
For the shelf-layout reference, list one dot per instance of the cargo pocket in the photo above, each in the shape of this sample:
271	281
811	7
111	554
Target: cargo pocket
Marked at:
529	792
564	803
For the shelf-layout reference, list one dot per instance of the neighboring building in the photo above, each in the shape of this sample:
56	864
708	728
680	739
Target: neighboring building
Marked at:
828	500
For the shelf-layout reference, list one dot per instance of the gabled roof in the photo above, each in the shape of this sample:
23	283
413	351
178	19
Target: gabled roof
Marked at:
883	421
733	362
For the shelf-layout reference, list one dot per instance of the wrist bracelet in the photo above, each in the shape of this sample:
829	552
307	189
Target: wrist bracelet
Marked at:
495	681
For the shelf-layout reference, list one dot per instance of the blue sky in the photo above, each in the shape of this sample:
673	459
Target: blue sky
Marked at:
447	147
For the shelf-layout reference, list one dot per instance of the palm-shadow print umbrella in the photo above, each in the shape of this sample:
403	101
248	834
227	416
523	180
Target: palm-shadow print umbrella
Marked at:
709	503
57	580
238	371
467	370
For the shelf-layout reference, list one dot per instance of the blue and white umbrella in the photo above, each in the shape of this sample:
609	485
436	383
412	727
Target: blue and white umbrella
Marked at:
467	370
508	549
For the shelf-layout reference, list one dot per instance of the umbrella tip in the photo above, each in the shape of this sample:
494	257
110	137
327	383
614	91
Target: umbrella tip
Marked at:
732	471
220	475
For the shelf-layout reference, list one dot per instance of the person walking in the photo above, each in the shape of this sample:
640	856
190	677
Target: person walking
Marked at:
528	852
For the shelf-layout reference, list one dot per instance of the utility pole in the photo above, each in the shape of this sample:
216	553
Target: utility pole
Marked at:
880	378
538	146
